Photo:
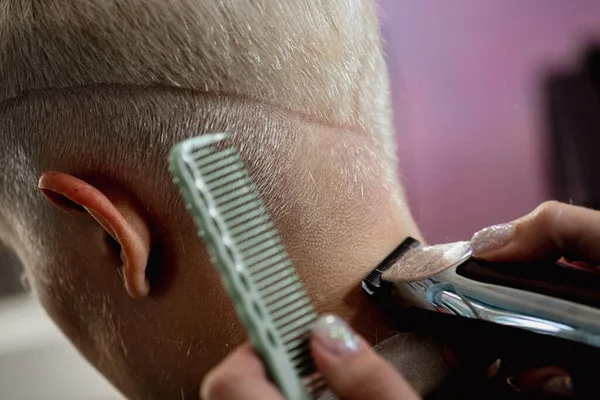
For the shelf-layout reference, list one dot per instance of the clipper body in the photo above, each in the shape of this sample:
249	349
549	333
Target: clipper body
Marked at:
523	313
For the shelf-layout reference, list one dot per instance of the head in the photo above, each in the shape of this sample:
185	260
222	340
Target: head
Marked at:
91	100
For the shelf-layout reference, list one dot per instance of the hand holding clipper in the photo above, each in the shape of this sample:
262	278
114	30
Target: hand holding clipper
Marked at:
512	295
553	231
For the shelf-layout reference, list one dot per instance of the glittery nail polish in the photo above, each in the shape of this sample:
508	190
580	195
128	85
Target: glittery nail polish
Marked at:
492	238
336	335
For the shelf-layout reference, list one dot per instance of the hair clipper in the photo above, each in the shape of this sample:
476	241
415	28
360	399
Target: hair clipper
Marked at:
537	314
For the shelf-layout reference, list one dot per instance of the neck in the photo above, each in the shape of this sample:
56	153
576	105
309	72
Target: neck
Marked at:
366	318
342	293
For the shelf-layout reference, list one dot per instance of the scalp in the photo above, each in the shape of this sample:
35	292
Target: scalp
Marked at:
318	57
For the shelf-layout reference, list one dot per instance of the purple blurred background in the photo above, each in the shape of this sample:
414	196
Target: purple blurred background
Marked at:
466	84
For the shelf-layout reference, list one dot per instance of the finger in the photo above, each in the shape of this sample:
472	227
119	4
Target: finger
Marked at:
552	230
552	382
240	376
350	366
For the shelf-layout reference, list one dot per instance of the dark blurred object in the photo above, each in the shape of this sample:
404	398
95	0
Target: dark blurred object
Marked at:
10	274
573	101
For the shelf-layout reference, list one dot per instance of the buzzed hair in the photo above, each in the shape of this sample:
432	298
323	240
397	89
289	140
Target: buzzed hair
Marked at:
314	57
131	75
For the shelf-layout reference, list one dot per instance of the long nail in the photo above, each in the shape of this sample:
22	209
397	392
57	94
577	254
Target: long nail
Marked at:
336	335
558	386
492	238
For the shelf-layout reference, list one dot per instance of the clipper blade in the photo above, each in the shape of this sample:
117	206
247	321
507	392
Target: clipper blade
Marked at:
411	262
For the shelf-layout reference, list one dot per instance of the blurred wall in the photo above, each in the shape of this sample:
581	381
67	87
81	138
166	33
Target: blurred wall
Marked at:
465	78
37	361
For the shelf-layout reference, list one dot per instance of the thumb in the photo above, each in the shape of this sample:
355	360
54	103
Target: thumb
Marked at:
350	366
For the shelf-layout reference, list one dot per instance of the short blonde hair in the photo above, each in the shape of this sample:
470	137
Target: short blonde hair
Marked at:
321	58
61	61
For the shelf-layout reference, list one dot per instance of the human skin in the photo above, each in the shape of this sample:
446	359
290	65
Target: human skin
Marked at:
352	370
165	339
88	115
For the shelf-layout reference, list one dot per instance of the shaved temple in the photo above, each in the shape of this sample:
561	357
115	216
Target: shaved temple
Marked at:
115	82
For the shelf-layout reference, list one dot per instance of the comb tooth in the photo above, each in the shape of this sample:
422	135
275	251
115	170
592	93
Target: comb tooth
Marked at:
216	156
267	244
211	167
271	252
303	362
247	217
313	380
295	335
276	296
280	259
305	365
240	183
248	243
293	315
196	155
237	202
250	230
245	208
288	301
286	310
275	277
267	272
298	343
298	353
279	286
293	328
299	326
298	339
306	370
221	183
223	172
317	388
315	385
232	195
257	225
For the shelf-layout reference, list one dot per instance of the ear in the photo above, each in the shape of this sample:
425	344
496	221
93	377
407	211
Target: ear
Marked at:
115	213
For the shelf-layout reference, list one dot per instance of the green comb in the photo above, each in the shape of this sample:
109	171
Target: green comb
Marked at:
254	267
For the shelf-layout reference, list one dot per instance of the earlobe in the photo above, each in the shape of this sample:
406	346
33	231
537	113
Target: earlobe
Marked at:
117	215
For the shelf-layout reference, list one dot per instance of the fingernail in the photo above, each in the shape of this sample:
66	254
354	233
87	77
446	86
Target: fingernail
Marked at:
558	386
492	238
336	335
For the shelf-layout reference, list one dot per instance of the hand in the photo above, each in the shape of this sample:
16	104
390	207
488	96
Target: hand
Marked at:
351	368
552	231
